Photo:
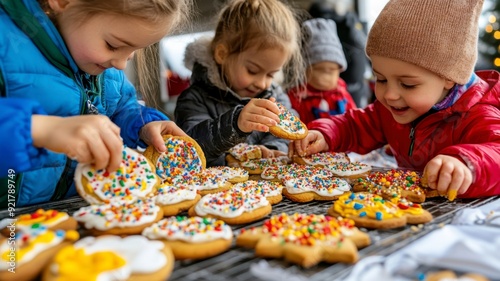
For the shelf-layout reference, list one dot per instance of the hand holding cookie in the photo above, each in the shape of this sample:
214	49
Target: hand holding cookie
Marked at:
258	115
448	175
314	142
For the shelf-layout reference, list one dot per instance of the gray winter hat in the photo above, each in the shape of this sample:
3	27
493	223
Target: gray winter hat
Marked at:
322	42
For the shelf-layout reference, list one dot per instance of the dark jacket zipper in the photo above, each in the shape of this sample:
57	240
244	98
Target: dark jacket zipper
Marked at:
412	139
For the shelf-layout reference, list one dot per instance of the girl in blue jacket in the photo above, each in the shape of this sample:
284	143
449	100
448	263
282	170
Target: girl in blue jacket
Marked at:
62	61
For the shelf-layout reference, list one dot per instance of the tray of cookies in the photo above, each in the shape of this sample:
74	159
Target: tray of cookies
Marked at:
303	219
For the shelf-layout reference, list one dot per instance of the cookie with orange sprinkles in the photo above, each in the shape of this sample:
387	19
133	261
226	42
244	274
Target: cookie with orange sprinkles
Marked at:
305	239
135	178
290	127
192	237
119	217
176	198
233	206
270	190
322	158
51	219
393	183
183	158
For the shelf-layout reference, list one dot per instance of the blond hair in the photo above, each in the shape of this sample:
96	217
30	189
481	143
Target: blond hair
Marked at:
147	61
263	23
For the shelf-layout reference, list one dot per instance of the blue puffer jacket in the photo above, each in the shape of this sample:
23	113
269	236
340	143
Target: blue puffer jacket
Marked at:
27	73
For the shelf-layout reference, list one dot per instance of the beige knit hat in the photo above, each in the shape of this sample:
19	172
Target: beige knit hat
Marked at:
438	35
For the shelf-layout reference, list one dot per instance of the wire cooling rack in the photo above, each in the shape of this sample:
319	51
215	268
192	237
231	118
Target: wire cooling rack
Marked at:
241	264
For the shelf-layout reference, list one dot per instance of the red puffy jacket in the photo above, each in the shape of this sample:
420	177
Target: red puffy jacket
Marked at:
468	130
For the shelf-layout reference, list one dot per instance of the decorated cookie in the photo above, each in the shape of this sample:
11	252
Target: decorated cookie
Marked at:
135	178
111	257
176	198
192	237
322	159
393	183
270	190
207	181
233	174
305	189
244	151
183	158
256	166
368	210
350	171
24	255
119	218
305	239
290	127
51	219
448	275
232	206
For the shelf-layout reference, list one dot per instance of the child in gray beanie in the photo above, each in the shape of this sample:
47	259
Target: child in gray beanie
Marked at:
325	93
437	115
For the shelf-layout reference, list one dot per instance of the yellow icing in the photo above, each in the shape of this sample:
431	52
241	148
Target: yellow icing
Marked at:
44	216
75	265
371	206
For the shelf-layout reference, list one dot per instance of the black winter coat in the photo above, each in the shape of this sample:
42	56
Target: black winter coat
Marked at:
209	115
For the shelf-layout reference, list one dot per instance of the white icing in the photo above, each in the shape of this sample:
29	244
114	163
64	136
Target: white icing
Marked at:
262	187
318	185
142	255
325	158
241	151
289	122
349	169
134	178
169	194
117	214
229	204
229	172
191	230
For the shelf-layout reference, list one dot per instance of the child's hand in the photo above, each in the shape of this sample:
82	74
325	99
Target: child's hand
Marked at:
448	175
258	115
314	142
86	139
152	133
270	153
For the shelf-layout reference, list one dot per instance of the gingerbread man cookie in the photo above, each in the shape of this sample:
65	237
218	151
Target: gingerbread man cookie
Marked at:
305	239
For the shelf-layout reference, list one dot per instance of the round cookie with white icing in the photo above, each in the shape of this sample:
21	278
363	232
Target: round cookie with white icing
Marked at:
244	151
349	171
233	174
306	189
33	250
176	198
207	181
192	237
270	190
256	166
119	217
232	206
184	158
135	178
322	159
111	257
290	127
51	219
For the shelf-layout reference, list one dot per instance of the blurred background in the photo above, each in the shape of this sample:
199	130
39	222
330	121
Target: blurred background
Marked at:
354	19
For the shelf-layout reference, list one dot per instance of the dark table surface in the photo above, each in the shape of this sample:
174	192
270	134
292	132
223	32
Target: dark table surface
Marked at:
235	264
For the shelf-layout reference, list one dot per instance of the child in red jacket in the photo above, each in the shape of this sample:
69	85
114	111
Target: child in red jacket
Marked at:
437	114
325	93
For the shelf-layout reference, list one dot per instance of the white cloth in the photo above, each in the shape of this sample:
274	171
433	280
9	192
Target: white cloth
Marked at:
470	244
